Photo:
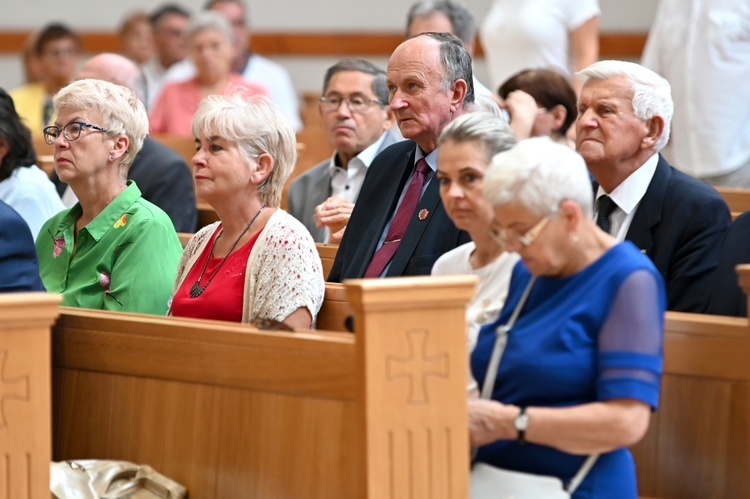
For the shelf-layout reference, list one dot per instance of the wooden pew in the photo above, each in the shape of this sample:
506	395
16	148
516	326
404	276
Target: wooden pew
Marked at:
697	444
327	254
230	411
25	394
738	200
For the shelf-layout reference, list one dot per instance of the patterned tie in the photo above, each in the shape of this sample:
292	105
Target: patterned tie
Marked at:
605	207
399	222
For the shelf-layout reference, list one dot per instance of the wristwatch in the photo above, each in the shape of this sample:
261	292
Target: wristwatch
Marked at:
521	423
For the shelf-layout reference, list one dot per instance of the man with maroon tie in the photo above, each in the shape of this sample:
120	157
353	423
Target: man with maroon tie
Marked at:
399	226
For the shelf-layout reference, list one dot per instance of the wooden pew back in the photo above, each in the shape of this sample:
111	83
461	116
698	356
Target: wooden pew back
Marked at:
25	393
738	200
697	444
229	411
327	254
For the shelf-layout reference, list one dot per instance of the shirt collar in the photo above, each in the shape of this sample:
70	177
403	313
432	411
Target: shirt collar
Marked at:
629	193
107	219
364	158
430	158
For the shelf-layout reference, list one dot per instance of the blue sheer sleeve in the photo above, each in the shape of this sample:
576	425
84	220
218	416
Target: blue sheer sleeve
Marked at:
631	341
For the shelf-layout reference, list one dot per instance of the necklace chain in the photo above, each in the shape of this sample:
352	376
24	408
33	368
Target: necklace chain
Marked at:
196	289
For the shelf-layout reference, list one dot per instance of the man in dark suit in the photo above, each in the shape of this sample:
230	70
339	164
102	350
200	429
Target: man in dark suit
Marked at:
623	122
19	269
357	121
399	226
161	174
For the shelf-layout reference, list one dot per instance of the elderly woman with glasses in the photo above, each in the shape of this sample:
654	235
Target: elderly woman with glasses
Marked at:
258	262
465	148
580	372
112	250
209	38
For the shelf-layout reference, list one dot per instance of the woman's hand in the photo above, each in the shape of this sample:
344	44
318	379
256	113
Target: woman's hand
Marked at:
490	421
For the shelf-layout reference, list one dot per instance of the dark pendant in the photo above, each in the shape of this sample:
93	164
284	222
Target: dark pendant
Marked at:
196	290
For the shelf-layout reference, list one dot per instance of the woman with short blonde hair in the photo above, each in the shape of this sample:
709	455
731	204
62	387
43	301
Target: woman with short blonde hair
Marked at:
258	262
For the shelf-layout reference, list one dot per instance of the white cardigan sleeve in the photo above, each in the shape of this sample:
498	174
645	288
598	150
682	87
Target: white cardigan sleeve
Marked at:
284	272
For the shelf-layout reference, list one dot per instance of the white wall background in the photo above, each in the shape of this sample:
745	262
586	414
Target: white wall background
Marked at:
282	15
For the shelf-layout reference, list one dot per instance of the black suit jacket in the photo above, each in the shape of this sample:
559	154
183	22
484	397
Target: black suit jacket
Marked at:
424	241
680	224
165	180
727	297
19	269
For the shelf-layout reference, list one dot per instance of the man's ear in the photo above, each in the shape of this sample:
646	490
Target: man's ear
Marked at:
459	89
654	129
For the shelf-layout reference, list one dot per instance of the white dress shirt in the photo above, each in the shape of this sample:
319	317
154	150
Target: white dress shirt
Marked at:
702	47
627	196
347	182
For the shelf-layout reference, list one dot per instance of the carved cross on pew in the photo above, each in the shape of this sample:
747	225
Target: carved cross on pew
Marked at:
417	366
15	388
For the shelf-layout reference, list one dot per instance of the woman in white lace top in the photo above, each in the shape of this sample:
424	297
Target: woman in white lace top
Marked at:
466	147
258	262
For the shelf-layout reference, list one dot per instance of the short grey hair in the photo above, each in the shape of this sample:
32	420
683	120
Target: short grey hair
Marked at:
209	19
121	110
257	127
379	88
539	174
462	21
489	130
652	95
456	63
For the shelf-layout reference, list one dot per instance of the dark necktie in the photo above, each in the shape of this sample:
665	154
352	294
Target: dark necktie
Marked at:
400	222
605	207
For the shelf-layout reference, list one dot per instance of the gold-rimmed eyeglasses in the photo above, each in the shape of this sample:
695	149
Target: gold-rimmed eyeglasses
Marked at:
506	237
70	131
355	103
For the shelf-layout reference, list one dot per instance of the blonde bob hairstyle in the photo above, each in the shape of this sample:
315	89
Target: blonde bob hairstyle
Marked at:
539	174
257	127
122	113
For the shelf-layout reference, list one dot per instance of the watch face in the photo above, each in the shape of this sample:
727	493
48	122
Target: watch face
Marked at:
521	422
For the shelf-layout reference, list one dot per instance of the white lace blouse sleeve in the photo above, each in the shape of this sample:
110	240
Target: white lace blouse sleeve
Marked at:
287	274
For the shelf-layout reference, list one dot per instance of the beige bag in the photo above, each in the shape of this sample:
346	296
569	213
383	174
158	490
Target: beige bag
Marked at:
103	479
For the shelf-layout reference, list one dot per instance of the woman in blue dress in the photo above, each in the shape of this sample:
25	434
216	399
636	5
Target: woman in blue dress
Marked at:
581	369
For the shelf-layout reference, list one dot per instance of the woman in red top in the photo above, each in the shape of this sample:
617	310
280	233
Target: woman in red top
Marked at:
258	262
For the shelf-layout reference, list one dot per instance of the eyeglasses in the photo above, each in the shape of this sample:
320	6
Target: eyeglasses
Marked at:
525	240
355	104
71	131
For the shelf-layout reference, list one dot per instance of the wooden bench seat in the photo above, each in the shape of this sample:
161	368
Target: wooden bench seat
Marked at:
230	411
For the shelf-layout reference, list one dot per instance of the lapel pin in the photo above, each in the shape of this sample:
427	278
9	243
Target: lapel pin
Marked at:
423	213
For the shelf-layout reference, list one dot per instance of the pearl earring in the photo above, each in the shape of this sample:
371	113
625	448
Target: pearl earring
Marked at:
111	157
574	238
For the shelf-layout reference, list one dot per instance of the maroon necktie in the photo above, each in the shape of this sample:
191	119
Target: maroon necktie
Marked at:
400	222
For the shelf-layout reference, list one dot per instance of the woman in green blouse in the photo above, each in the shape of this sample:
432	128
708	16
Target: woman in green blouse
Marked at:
113	250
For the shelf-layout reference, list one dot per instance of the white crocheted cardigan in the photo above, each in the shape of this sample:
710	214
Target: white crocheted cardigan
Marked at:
283	272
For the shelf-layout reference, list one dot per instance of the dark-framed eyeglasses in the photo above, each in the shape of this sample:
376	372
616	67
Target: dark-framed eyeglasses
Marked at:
356	104
70	131
508	237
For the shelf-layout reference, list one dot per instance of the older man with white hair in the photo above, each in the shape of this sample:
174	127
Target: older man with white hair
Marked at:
624	116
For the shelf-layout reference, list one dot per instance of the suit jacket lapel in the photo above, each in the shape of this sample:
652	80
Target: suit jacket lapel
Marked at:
649	211
427	205
384	190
